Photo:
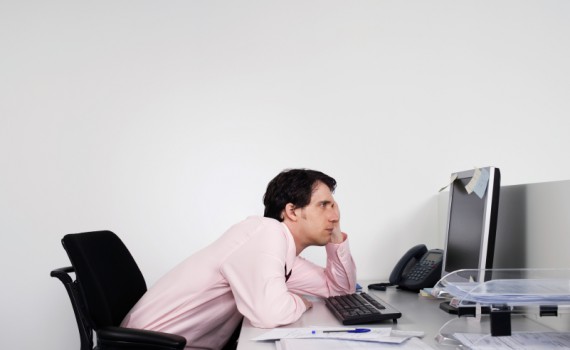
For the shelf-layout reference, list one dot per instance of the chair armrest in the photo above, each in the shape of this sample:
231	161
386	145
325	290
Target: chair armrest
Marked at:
63	274
130	338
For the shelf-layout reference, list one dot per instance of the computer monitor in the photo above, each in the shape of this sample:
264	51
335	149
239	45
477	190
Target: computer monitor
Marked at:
471	222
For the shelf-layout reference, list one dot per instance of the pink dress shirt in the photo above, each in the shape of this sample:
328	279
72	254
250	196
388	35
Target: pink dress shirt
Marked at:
241	273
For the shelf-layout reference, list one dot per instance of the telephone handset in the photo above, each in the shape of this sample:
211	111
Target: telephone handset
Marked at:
418	268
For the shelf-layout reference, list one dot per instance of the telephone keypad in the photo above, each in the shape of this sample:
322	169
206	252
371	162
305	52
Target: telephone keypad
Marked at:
421	270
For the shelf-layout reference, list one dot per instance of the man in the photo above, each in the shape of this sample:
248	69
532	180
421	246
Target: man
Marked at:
253	269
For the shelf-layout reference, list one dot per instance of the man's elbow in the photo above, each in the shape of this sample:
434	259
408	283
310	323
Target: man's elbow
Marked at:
274	317
271	321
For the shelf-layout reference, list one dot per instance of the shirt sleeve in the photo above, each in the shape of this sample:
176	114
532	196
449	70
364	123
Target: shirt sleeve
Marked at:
339	276
255	273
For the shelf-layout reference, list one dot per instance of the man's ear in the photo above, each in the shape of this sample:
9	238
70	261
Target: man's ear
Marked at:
289	212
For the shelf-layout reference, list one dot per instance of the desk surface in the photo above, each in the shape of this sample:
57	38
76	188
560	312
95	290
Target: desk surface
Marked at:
418	314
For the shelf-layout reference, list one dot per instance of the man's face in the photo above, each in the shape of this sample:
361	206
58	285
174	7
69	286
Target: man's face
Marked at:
317	220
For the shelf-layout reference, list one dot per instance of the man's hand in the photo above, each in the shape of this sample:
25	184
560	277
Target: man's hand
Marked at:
337	236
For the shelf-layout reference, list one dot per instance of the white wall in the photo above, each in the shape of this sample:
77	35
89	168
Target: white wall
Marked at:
164	121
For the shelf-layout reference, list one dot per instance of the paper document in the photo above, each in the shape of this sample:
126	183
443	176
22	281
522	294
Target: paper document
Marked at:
518	341
375	334
384	335
336	344
512	291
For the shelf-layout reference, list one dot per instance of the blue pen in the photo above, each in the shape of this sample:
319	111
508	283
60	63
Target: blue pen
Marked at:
356	330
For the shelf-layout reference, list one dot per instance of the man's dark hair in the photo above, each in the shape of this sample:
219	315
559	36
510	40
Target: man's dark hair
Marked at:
293	186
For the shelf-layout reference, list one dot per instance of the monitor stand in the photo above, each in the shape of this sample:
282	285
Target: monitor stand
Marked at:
463	311
446	306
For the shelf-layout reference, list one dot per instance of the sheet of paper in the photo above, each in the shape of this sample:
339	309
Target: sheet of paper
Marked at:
518	341
478	182
399	333
451	179
512	291
283	333
336	344
375	334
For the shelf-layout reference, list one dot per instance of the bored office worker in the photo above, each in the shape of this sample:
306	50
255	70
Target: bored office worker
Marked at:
254	269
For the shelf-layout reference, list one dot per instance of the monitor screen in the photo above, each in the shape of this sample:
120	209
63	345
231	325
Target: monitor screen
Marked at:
471	223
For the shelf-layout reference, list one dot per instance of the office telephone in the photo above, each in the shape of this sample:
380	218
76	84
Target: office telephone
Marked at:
418	268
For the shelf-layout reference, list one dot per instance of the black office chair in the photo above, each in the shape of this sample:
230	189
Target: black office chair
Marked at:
107	285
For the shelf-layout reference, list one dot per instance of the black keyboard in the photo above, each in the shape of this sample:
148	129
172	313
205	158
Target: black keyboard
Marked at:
361	308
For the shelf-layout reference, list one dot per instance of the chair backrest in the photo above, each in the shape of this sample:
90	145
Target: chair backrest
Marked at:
108	276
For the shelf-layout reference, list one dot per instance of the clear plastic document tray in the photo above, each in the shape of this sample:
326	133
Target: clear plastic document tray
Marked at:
511	287
504	302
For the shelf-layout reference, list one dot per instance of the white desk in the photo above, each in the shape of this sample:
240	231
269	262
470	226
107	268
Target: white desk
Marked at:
418	314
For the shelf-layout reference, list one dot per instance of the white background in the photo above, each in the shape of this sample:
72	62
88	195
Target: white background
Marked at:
163	121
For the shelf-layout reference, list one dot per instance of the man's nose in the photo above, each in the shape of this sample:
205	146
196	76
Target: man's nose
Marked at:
334	215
